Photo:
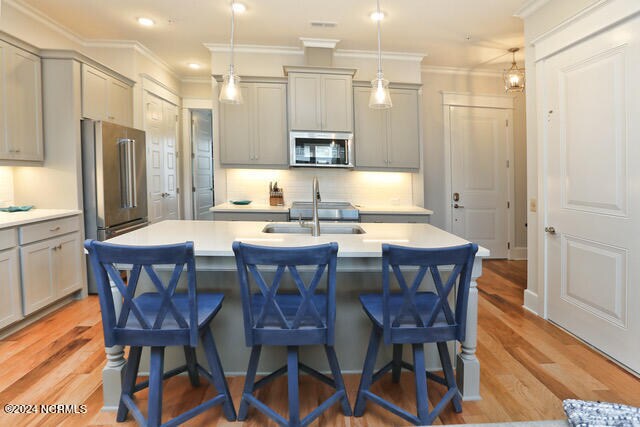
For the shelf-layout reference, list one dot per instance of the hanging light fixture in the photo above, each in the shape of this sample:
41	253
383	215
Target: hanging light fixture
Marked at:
380	97
230	92
514	76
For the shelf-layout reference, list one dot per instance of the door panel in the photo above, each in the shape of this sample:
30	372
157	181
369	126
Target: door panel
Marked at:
10	294
370	138
593	199
236	131
155	156
404	130
171	164
270	146
37	282
95	89
202	166
337	103
120	107
305	102
67	271
4	144
480	175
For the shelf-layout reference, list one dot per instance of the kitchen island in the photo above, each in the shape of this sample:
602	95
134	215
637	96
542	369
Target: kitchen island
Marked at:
359	270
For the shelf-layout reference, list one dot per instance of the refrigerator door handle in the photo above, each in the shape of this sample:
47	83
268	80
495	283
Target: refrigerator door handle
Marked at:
133	199
124	172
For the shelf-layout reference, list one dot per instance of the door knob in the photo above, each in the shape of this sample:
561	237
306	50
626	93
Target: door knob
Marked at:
457	206
550	230
456	197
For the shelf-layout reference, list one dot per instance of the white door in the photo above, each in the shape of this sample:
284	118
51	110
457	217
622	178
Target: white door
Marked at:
171	162
479	176
202	165
592	138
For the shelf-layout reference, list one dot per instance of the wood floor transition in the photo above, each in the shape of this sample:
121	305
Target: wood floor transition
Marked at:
528	367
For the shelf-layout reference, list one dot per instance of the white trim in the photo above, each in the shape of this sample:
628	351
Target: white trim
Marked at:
197	80
159	89
529	7
197	104
531	302
372	54
437	69
592	19
37	15
254	48
324	43
541	126
137	47
477	100
518	253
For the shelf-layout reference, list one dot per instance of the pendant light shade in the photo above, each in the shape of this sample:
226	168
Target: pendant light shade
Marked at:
230	92
380	97
514	76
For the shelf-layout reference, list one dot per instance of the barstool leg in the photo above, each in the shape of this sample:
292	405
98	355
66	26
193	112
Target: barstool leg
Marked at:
443	350
397	363
192	361
292	374
249	382
367	371
337	378
218	374
156	369
422	398
129	382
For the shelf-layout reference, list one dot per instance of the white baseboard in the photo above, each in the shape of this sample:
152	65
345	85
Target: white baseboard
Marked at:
518	253
531	301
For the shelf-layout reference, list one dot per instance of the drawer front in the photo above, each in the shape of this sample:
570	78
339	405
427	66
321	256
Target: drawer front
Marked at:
395	218
250	216
46	229
8	238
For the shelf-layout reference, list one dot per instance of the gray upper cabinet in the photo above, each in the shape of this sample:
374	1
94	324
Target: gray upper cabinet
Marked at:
105	97
254	133
321	101
387	139
21	138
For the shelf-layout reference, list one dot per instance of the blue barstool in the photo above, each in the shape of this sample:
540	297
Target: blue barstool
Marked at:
158	319
292	320
412	317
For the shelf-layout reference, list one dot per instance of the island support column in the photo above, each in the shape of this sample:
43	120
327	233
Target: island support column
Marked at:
113	372
468	366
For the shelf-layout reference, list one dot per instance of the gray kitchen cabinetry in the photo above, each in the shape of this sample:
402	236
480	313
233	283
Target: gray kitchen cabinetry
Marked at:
387	139
51	261
10	293
395	218
320	100
251	216
105	97
254	133
21	138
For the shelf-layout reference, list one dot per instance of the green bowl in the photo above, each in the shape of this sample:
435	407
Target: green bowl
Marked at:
240	202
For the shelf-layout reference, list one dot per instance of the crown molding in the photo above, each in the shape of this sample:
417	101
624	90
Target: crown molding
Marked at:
137	47
529	7
196	80
372	54
324	43
254	48
37	15
436	69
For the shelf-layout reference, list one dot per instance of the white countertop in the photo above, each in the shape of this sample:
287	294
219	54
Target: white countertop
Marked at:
214	238
12	219
252	207
364	209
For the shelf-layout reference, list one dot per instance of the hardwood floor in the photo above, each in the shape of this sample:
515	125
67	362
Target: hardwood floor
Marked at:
528	367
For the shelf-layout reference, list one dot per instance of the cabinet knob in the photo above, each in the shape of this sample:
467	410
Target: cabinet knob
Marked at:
54	229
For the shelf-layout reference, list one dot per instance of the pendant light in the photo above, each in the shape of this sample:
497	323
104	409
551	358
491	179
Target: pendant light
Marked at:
514	76
380	97
230	92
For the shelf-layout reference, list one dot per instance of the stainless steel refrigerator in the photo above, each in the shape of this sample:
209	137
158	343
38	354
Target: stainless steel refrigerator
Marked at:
114	172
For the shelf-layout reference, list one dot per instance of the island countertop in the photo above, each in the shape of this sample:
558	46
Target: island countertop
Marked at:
214	238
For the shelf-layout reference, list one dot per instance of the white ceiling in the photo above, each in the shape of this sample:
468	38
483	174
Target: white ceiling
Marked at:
437	28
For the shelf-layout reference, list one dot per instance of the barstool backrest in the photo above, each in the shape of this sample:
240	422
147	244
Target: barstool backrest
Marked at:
160	325
304	319
439	323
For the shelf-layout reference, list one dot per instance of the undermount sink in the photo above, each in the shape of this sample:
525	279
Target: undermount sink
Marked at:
295	228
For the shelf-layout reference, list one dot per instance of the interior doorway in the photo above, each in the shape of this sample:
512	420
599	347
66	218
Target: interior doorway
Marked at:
202	163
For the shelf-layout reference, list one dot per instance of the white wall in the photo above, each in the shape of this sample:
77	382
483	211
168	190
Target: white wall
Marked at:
437	81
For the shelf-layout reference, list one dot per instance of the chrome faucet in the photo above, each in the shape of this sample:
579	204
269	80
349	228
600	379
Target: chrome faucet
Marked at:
314	225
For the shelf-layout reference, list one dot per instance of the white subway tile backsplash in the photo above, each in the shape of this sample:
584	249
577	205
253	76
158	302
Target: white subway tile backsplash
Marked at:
358	187
6	186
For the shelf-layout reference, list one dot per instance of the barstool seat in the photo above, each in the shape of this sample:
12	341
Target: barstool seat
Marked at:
425	303
208	305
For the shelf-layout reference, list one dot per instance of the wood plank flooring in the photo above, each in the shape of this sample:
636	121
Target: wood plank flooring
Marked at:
528	367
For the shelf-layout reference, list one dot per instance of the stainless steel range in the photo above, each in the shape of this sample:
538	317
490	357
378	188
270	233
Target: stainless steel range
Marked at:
327	211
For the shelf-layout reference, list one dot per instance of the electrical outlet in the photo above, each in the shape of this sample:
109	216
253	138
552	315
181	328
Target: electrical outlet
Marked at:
533	205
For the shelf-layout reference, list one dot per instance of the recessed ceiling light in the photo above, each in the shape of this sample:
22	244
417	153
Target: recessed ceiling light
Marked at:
377	16
147	22
194	66
238	7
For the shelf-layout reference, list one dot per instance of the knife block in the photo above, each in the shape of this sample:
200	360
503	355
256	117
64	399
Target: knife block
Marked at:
276	198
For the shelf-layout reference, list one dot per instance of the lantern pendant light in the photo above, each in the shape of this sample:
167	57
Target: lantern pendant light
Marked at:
230	92
514	76
380	97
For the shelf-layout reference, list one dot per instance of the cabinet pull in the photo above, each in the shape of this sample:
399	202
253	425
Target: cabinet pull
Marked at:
54	229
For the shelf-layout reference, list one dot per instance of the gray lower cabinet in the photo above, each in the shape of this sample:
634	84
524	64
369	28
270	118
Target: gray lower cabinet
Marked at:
387	139
395	218
251	216
10	295
254	133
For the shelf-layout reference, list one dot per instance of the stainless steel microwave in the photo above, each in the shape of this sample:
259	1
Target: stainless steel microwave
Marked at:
321	149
